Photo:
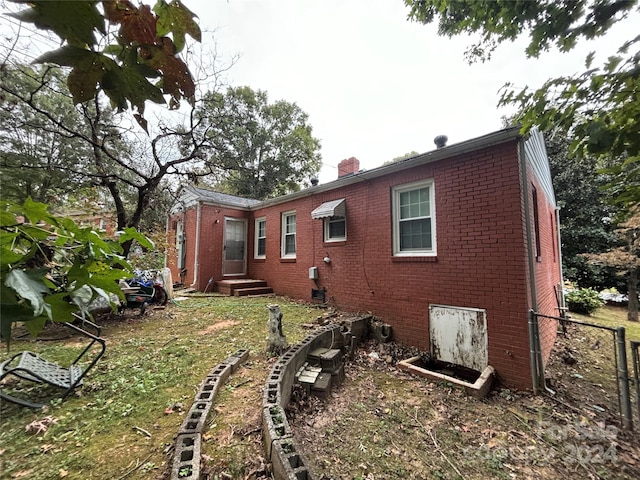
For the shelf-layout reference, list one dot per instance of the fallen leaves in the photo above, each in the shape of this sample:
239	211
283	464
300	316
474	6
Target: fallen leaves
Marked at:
38	427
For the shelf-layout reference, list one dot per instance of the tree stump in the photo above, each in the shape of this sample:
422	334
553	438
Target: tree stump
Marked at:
277	341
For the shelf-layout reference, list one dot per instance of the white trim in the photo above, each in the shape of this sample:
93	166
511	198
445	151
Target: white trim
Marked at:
227	221
325	227
256	237
395	206
284	233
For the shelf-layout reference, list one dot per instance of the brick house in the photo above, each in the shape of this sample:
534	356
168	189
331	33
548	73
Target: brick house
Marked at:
459	240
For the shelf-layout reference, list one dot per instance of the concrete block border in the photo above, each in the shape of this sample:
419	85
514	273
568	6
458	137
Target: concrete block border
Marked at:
278	440
186	455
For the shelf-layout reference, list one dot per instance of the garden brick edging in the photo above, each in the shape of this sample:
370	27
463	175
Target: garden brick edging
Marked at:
278	440
186	456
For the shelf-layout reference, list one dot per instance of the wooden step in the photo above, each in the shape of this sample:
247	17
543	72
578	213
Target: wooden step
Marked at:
228	287
243	292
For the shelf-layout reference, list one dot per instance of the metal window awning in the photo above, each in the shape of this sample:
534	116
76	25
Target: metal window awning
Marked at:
334	208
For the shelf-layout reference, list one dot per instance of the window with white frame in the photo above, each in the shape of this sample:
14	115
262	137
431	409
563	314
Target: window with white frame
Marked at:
335	229
260	250
288	248
414	219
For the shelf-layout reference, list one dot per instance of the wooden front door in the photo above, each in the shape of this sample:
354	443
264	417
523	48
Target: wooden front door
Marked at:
234	253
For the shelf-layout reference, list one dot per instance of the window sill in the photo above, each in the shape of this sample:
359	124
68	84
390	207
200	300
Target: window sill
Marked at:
414	259
335	243
287	260
260	260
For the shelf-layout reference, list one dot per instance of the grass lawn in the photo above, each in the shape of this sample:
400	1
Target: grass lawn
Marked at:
380	424
151	364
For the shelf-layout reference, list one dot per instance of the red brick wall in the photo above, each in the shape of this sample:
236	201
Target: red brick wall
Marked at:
211	237
481	256
547	268
348	166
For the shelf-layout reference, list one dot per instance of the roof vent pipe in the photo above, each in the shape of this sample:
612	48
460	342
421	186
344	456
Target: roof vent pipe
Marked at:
440	141
314	181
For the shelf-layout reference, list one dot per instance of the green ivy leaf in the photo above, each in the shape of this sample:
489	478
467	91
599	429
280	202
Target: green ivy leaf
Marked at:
130	233
29	286
35	325
7	219
37	212
9	257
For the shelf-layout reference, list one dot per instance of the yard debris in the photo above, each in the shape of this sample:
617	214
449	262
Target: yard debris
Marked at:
567	356
176	407
40	426
142	430
277	340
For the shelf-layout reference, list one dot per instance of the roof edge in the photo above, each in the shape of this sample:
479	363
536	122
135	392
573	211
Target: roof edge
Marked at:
488	140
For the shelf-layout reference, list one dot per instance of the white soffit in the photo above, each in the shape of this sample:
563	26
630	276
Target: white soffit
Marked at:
334	208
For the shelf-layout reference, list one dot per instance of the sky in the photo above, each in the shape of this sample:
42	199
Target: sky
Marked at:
375	85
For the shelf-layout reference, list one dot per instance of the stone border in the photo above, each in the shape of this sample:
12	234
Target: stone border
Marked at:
186	456
277	437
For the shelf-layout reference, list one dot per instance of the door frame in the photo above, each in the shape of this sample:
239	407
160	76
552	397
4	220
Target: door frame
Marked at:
225	262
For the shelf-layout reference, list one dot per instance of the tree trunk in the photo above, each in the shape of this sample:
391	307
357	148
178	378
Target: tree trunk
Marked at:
632	283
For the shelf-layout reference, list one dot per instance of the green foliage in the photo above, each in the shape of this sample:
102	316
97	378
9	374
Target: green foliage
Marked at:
259	149
599	107
38	160
143	49
586	219
50	267
560	22
584	301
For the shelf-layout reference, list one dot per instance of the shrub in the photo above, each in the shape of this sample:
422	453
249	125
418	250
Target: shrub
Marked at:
584	301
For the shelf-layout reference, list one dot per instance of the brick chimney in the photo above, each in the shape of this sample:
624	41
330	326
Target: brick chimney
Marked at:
348	167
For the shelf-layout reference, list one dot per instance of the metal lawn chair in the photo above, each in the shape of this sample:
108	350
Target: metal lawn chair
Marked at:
31	367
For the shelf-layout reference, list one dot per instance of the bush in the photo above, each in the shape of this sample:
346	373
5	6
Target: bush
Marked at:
584	301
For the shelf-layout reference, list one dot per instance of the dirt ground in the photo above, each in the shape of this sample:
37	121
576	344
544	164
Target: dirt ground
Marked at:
383	423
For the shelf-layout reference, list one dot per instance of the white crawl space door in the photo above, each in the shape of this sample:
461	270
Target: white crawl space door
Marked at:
459	336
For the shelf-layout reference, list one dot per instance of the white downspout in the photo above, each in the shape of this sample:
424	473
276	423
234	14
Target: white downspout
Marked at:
196	262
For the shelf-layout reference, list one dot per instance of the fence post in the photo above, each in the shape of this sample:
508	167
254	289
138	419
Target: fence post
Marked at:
635	353
623	379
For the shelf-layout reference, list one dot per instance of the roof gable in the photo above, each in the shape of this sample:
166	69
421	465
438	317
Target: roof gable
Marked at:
191	195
